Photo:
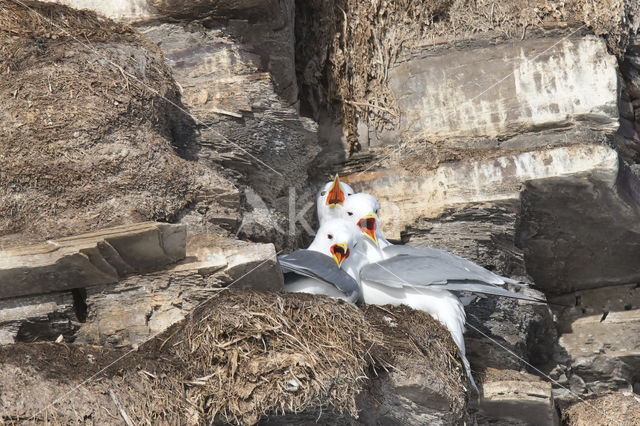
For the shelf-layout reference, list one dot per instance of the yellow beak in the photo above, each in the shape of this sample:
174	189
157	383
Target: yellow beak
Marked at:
368	225
336	196
340	252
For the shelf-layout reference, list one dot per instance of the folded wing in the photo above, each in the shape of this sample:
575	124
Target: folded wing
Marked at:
316	265
421	267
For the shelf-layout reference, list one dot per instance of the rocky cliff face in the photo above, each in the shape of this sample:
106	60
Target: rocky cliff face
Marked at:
505	132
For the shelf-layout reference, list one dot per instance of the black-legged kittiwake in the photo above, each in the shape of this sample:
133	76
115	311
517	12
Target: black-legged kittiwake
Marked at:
321	268
418	277
331	198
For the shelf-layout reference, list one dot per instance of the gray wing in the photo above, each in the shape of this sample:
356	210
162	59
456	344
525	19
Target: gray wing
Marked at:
436	270
472	270
316	265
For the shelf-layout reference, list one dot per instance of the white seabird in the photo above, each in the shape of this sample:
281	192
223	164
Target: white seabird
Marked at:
420	266
419	277
331	198
321	268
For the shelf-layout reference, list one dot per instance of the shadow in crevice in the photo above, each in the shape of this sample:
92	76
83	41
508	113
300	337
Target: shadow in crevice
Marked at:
182	129
80	304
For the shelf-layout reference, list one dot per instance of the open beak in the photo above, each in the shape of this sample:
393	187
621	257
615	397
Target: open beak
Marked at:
368	226
336	196
340	252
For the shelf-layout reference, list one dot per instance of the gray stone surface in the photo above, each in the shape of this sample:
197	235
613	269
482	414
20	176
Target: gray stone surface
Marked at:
407	193
138	307
97	258
507	89
241	123
580	233
33	318
599	332
512	397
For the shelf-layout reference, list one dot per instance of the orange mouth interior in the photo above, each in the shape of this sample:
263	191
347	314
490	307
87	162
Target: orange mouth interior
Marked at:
339	253
335	196
368	227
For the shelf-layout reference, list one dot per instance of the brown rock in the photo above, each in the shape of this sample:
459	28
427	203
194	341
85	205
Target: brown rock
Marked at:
600	337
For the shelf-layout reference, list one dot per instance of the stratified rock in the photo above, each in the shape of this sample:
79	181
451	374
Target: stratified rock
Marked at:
127	311
582	232
508	89
238	85
85	260
143	306
506	333
513	397
243	124
599	338
33	318
408	191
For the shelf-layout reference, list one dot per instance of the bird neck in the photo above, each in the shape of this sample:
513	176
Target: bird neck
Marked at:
382	241
354	263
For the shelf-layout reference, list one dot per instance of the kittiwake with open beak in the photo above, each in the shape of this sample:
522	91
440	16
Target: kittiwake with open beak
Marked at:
420	266
419	277
322	268
330	200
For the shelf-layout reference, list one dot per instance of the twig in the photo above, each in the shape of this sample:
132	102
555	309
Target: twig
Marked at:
126	418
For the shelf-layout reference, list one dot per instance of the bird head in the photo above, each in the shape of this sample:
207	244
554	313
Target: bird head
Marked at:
362	210
336	238
331	198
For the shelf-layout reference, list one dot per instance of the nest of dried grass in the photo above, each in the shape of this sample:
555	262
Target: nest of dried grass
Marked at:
87	139
349	46
246	356
605	409
250	354
240	358
413	338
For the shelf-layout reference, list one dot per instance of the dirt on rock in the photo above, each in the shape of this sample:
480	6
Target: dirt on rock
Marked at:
90	136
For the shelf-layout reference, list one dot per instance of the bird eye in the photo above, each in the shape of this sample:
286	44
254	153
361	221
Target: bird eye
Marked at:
355	245
329	236
350	213
350	194
323	193
376	211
